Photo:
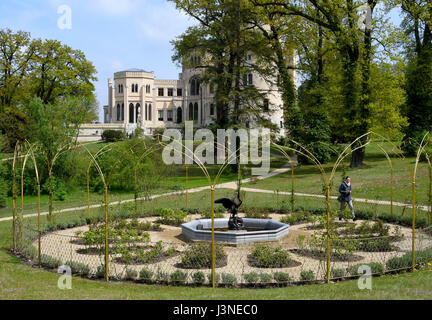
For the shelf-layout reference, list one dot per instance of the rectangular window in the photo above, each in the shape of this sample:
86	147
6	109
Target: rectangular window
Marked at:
170	92
179	92
169	115
161	92
266	105
212	109
160	115
250	78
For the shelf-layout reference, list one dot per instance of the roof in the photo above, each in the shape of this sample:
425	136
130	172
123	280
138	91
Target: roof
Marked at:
133	70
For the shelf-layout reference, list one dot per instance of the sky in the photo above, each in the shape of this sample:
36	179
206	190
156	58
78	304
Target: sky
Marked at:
114	34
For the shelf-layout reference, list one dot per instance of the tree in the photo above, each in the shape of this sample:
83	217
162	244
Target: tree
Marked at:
223	39
339	21
417	25
16	52
39	68
57	70
54	129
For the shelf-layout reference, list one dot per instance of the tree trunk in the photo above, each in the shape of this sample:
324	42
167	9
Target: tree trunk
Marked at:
357	158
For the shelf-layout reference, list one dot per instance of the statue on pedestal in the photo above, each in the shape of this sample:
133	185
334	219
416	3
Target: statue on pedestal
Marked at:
232	205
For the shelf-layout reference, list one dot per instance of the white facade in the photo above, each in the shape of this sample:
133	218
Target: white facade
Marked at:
136	97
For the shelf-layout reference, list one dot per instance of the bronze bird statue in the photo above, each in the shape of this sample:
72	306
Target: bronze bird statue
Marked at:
232	205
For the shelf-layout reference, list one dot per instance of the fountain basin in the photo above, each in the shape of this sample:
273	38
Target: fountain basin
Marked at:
262	230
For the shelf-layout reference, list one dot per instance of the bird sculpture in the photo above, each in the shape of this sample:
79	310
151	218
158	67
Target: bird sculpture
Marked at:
232	205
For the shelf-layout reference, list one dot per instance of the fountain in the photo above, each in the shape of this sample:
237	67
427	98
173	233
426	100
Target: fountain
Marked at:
235	230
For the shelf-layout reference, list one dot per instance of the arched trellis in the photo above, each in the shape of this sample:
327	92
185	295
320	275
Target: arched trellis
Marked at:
326	180
347	151
211	182
137	162
31	151
96	155
105	180
38	180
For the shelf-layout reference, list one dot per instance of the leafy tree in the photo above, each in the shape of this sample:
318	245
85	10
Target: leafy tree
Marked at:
14	125
223	39
16	52
417	25
46	69
57	70
54	129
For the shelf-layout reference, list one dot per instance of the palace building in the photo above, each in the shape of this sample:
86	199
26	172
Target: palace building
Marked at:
137	98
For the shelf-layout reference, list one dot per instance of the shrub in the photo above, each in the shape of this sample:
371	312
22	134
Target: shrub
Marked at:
178	277
282	278
162	277
198	255
29	251
3	191
78	268
113	135
376	268
252	277
171	217
146	275
376	245
198	277
405	262
156	252
207	214
50	262
229	279
266	277
256	213
307	275
296	218
210	278
100	272
131	274
337	273
268	257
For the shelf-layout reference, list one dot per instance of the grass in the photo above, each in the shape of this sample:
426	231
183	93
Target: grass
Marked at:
77	197
19	281
372	181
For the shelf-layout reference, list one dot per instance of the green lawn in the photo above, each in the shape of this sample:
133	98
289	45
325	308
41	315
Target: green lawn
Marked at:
372	181
19	281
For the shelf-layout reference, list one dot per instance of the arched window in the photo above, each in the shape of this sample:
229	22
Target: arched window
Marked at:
146	112
118	112
122	112
250	78
196	111
150	112
138	112
191	111
131	113
194	86
179	115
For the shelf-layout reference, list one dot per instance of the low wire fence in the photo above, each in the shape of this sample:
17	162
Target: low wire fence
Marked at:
303	257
